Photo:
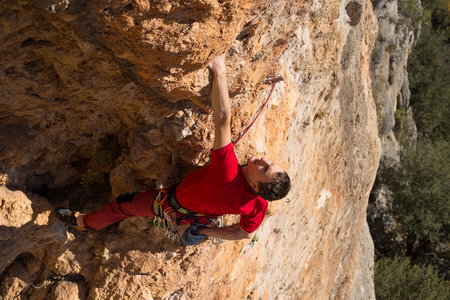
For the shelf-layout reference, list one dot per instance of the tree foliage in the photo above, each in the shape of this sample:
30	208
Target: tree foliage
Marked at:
419	184
411	11
429	73
420	190
397	279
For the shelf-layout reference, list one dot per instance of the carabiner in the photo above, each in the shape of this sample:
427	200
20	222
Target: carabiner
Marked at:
176	237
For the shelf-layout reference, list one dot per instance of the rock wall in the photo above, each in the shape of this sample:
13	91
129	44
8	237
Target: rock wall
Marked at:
396	36
104	97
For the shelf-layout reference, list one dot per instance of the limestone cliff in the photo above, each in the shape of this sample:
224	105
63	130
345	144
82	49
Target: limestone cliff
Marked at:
396	36
398	33
110	96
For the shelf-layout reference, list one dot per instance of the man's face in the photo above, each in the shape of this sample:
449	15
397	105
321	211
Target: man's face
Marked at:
261	170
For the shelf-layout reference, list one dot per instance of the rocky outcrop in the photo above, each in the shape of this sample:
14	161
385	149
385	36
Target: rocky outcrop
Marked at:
110	96
396	36
399	29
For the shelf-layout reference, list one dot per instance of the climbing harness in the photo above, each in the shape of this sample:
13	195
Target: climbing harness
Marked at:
166	206
260	109
187	214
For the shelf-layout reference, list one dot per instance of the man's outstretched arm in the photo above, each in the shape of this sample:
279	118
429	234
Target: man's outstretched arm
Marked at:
233	232
220	103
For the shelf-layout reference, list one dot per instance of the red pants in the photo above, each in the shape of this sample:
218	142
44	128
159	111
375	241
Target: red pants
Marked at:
123	207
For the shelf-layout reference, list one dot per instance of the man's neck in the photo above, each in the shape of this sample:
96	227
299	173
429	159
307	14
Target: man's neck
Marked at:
244	169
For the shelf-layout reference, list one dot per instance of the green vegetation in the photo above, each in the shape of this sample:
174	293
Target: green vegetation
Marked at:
412	12
255	239
420	192
321	115
429	73
419	185
401	125
397	279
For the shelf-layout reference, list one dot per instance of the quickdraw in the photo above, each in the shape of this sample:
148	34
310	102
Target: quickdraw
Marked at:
165	218
217	223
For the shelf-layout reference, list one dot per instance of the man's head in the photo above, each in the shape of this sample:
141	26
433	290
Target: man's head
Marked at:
267	179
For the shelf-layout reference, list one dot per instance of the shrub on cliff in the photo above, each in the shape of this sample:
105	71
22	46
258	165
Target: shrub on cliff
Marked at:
420	192
411	11
397	279
429	71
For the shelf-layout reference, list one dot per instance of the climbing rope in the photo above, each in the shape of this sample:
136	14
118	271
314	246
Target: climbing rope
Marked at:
256	116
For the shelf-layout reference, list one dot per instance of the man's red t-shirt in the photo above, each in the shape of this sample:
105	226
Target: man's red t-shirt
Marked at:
221	188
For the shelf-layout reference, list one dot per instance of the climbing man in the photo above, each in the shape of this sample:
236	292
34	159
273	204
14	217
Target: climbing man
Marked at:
222	187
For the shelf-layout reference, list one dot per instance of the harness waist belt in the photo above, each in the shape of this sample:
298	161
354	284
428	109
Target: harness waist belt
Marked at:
177	206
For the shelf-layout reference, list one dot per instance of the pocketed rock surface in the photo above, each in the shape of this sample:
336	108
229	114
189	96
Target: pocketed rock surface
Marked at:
104	97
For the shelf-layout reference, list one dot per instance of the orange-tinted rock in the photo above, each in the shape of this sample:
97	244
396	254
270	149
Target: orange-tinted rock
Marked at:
67	290
115	95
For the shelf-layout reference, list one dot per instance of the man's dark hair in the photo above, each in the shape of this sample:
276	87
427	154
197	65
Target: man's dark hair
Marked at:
276	189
